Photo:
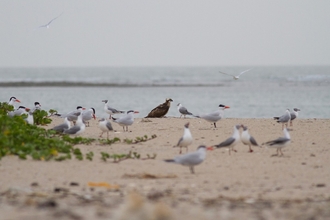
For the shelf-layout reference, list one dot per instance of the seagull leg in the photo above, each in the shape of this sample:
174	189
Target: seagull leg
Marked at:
215	125
192	170
180	150
250	149
101	134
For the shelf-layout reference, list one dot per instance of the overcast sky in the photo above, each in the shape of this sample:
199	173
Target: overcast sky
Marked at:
164	33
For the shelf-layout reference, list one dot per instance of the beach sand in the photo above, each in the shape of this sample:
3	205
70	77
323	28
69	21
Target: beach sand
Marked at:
242	185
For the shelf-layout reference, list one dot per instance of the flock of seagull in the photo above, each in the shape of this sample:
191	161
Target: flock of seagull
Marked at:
80	119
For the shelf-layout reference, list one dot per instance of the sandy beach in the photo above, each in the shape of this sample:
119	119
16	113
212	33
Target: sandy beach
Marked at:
245	185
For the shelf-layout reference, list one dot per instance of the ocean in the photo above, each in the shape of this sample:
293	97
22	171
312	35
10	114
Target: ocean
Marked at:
262	92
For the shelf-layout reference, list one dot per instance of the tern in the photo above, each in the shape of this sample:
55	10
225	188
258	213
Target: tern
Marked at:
236	77
109	110
19	111
126	120
280	143
88	115
29	119
78	128
105	126
48	24
183	111
247	139
214	116
37	106
161	110
61	127
284	119
72	116
232	141
191	159
294	115
186	139
12	100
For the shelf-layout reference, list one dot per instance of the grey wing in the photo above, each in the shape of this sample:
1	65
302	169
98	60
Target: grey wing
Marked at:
179	142
226	143
253	141
61	127
293	116
244	72
192	158
211	116
109	126
284	118
72	130
281	140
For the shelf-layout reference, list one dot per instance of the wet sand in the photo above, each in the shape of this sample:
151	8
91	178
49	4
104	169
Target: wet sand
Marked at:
245	185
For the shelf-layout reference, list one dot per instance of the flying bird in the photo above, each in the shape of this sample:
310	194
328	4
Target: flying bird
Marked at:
186	139
232	141
214	116
161	110
111	111
183	110
280	142
284	119
247	139
191	159
294	115
105	126
48	24
237	76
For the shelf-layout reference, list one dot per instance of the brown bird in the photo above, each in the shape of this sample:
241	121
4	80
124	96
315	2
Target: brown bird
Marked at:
161	110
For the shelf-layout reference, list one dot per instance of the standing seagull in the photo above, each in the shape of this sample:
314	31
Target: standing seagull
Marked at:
78	128
127	120
236	77
61	127
48	24
294	115
247	139
232	141
72	116
109	110
214	116
37	106
191	159
161	110
186	139
284	119
280	143
183	110
105	126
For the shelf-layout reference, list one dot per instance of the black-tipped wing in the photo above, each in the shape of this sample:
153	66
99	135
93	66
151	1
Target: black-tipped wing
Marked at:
72	130
278	141
253	141
226	143
61	127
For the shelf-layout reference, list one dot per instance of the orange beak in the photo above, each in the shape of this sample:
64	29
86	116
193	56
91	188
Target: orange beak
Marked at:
226	106
83	108
136	112
27	109
210	148
17	100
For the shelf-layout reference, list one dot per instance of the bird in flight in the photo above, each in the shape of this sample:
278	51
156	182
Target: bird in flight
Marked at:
48	24
236	77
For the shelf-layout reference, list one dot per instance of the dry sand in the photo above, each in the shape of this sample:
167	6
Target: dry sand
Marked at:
242	185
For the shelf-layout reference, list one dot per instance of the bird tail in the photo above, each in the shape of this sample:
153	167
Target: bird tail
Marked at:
58	114
276	118
169	160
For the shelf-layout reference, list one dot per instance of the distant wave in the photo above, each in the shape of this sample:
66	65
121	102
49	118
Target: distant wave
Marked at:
98	84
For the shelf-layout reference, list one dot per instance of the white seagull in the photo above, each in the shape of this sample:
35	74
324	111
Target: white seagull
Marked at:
19	111
214	116
236	77
126	120
183	110
186	139
37	106
105	126
284	119
72	116
232	141
88	115
12	100
191	159
78	128
29	119
109	110
61	127
280	143
48	24
247	139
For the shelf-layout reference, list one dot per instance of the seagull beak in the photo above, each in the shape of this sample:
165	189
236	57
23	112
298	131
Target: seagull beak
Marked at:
226	106
83	108
136	112
210	148
27	109
17	100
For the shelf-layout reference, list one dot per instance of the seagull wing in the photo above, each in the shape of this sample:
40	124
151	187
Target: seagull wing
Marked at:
244	71
226	73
